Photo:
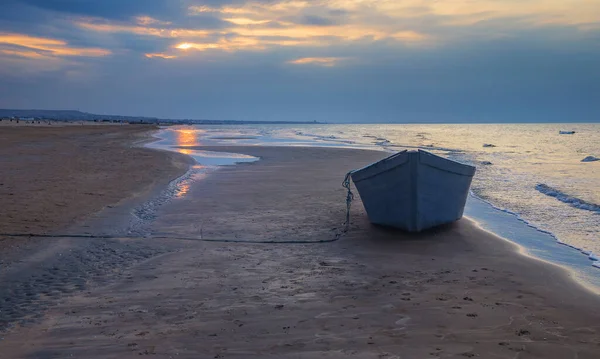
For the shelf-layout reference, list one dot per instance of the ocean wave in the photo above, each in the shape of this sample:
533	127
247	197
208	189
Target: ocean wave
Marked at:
324	138
565	198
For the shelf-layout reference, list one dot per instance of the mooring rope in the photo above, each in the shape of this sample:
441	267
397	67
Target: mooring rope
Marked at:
174	236
349	199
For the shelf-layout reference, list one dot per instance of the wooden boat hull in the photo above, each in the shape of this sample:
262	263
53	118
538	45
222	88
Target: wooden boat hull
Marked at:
414	190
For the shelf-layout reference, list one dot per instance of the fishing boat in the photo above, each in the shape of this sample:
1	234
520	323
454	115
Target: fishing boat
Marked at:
413	190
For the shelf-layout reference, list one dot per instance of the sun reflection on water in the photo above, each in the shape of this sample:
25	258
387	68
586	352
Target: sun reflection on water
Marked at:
183	188
187	137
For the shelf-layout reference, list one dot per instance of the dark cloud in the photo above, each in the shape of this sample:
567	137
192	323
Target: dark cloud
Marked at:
112	9
337	12
18	17
316	20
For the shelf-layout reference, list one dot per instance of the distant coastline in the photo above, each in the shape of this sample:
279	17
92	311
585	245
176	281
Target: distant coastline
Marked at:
73	115
77	116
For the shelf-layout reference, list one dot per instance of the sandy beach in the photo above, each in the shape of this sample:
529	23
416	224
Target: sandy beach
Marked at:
453	292
53	178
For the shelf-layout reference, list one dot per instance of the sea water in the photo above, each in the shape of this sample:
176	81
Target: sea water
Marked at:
533	174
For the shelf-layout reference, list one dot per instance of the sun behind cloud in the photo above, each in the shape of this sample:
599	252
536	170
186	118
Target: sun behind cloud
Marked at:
184	46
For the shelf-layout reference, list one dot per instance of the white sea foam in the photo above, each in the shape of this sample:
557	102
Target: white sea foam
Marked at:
570	200
325	137
590	255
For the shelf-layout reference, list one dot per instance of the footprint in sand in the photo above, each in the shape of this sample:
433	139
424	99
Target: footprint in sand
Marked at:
402	322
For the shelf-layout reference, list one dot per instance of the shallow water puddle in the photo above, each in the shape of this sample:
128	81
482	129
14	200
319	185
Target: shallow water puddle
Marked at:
210	158
206	162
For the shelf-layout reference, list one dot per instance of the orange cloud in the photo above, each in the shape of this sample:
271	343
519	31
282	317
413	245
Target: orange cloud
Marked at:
27	54
160	55
245	21
197	46
48	46
147	20
261	26
141	30
202	9
450	12
321	61
229	44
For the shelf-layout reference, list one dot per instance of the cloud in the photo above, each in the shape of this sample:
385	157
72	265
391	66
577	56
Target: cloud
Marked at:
160	55
111	9
224	44
147	20
245	21
165	32
321	61
21	53
317	20
297	59
46	46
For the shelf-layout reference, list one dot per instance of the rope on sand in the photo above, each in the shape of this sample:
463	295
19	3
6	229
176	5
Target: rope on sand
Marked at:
349	199
199	239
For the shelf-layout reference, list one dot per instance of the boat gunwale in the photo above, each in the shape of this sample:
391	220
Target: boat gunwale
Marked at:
403	163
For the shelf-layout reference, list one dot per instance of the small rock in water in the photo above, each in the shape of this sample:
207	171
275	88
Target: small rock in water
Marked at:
590	159
488	145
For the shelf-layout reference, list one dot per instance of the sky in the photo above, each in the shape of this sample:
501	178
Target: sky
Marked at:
296	60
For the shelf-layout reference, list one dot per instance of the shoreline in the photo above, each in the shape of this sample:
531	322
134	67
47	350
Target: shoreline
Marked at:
518	249
537	244
535	207
580	270
569	273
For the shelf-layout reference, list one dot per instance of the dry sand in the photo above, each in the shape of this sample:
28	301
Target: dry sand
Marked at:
453	292
52	178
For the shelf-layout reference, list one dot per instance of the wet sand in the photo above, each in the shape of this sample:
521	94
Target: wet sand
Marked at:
453	292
